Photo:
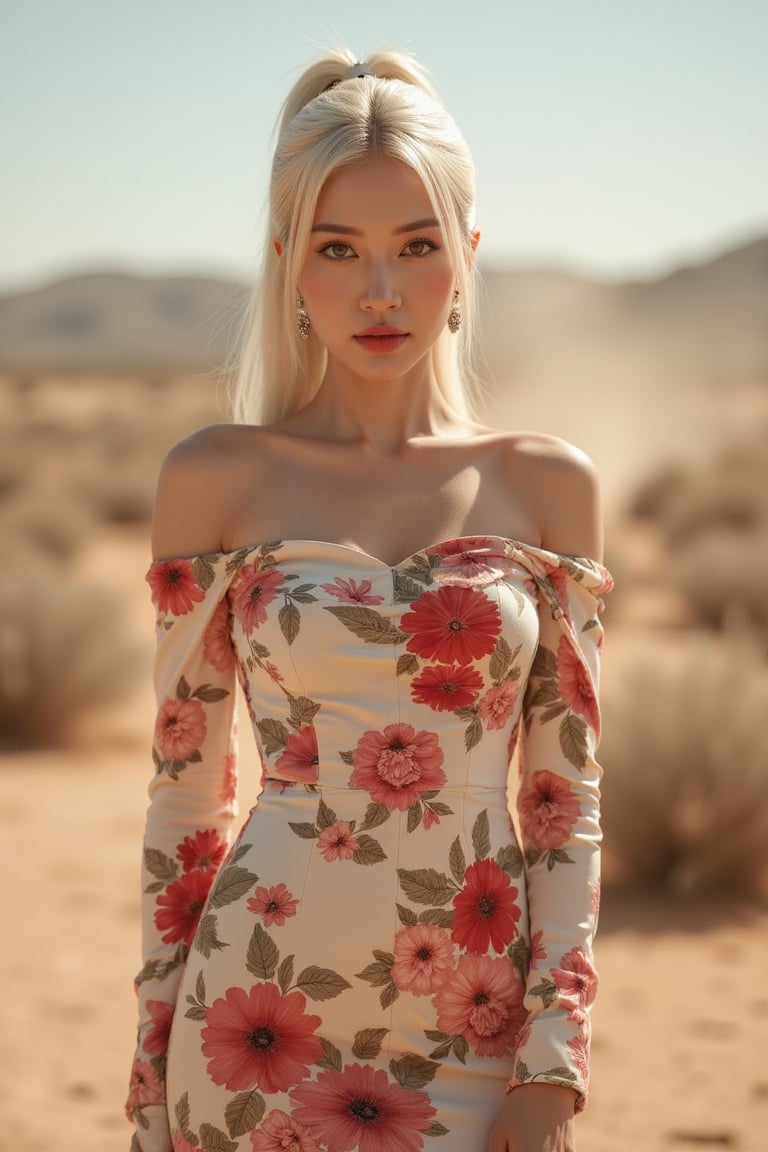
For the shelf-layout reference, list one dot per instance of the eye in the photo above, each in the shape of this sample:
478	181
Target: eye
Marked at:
336	250
420	247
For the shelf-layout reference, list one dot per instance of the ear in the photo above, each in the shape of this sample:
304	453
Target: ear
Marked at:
474	241
278	247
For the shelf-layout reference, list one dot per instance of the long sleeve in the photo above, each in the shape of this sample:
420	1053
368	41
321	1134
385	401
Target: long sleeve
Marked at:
191	811
558	804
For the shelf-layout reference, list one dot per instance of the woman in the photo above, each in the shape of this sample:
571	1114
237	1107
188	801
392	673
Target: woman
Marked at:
376	962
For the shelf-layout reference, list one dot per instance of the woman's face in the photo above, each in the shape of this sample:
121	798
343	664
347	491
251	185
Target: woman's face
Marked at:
377	280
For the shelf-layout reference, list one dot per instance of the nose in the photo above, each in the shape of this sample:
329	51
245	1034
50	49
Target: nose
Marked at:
380	292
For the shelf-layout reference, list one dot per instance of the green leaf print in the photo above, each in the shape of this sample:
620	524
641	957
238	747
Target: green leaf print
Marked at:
437	917
473	734
406	588
544	665
289	620
155	886
460	1048
207	937
367	1043
435	1129
573	740
160	865
561	1074
501	658
214	1140
274	735
406	915
546	991
412	1071
325	815
444	1046
557	856
407	664
244	1112
231	885
208	694
510	858
414	816
388	995
262	956
205	573
303	710
320	983
367	624
183	689
457	861
285	974
183	1114
481	839
368	851
520	955
304	830
521	1070
546	693
331	1058
375	814
553	712
426	885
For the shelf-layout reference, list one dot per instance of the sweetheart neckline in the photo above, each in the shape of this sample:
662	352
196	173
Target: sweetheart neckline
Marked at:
245	549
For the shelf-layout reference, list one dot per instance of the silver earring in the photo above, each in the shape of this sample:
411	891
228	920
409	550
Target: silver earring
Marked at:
454	316
302	320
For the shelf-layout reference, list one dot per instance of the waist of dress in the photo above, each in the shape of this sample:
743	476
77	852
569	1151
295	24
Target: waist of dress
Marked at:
278	783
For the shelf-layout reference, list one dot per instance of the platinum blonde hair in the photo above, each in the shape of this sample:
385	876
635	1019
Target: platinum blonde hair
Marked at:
335	117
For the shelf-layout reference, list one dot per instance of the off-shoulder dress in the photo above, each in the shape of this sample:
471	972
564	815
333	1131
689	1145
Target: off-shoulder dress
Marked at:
376	954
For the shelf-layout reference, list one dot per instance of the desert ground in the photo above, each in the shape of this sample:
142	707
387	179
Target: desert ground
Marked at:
679	1026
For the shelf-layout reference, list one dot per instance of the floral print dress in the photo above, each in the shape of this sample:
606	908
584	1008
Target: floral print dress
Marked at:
377	955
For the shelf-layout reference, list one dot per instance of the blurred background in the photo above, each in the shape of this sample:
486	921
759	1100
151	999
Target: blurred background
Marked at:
623	204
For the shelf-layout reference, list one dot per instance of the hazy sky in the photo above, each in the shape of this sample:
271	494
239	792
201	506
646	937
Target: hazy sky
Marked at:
615	137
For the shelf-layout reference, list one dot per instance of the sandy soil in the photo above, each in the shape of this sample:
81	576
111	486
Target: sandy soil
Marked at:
680	1023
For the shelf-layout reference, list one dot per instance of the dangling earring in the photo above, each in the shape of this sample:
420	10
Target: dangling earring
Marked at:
302	320
454	316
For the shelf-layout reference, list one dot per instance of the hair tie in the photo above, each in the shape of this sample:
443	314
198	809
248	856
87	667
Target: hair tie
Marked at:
354	72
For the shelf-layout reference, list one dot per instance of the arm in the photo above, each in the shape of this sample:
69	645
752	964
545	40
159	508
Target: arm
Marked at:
558	808
192	793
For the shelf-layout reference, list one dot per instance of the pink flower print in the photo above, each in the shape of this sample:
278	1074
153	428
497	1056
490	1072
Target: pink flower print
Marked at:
180	905
537	949
594	891
255	588
574	684
352	592
396	765
446	688
156	1040
180	728
360	1108
429	819
299	759
229	780
281	1133
576	982
174	588
423	959
260	1038
205	850
454	625
498	704
485	912
274	905
471	560
548	809
273	671
336	842
559	579
145	1088
579	1049
180	1143
217	640
483	1001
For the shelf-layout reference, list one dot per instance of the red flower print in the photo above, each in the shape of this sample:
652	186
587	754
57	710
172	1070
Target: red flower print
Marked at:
548	811
483	1001
145	1087
498	704
446	688
395	766
281	1133
336	842
574	684
299	759
255	588
204	850
260	1039
594	891
473	559
360	1108
217	640
174	588
485	914
273	671
180	728
156	1040
274	905
423	959
180	1143
579	1049
454	625
229	782
537	949
180	905
429	819
352	591
559	578
576	982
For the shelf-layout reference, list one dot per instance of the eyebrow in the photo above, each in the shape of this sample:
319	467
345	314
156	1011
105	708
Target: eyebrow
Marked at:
345	230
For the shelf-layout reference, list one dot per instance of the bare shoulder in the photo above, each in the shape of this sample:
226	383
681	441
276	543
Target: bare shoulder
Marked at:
562	485
197	486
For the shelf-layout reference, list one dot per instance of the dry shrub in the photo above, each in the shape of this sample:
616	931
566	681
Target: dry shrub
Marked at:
52	521
723	574
62	650
685	790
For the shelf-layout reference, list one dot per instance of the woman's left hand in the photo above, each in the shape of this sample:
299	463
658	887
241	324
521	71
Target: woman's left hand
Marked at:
535	1118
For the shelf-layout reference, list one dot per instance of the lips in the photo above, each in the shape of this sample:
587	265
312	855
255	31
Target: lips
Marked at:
381	338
